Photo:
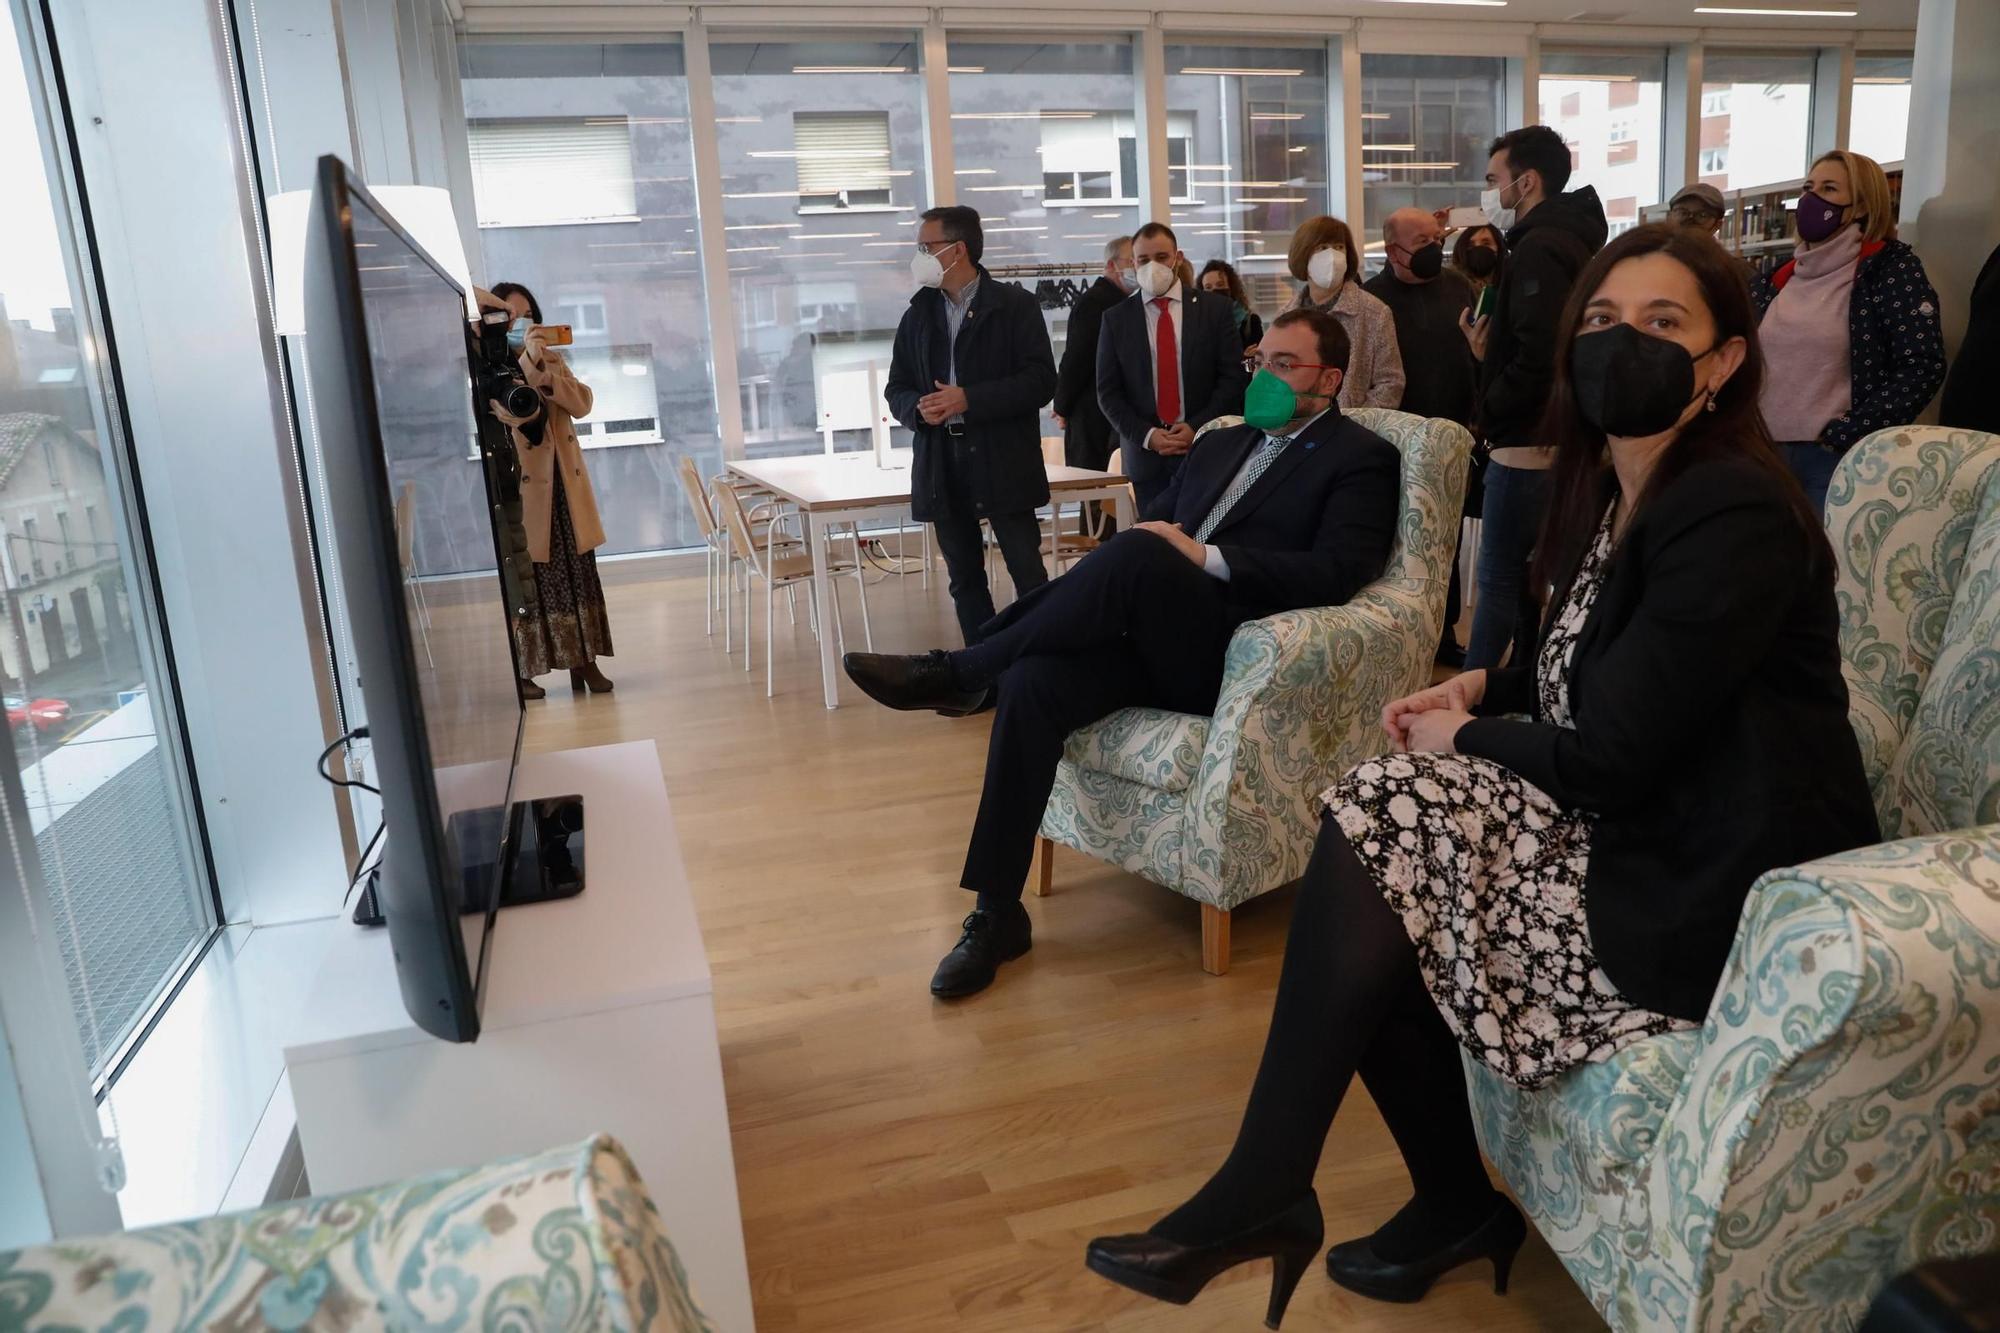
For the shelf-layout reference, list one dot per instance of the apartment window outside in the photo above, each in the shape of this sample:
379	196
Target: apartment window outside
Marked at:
1881	113
1258	155
823	175
1609	105
1427	125
1768	96
606	239
90	711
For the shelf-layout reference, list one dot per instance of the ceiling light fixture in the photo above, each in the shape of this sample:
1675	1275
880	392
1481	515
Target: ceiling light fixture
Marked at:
1410	166
1277	115
975	171
1003	189
819	154
1762	12
1374	115
1024	115
1388	148
1279	199
1230	70
849	69
965	69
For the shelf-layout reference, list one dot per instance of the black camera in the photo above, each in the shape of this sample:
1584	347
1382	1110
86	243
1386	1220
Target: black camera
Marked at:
499	378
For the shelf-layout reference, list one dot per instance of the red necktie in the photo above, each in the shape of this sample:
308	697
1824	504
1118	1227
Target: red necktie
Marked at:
1166	366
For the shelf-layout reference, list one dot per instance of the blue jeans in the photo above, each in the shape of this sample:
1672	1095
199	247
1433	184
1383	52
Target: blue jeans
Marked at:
1510	520
1813	465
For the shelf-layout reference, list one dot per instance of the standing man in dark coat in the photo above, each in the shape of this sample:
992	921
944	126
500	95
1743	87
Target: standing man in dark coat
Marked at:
1169	361
1087	438
969	375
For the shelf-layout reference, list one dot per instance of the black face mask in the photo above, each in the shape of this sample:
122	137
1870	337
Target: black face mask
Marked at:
1480	261
1631	384
1427	261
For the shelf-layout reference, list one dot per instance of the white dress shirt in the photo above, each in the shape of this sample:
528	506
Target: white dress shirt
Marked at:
1211	560
1153	312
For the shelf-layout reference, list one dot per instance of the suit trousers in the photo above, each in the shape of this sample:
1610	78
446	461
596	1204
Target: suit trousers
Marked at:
1133	624
964	550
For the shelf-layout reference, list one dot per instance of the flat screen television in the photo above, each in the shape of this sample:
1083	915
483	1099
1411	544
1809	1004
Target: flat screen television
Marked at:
392	379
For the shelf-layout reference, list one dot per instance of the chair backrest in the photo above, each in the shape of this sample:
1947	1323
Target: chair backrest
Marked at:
1914	517
1116	463
737	521
697	496
1436	456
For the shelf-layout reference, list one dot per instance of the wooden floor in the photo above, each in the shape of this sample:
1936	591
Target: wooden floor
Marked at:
906	1163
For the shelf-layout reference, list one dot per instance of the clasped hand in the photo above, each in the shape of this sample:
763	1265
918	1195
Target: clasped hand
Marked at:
941	405
1171	441
1429	719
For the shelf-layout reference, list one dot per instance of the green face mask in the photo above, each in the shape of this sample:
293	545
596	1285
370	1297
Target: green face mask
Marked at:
1270	403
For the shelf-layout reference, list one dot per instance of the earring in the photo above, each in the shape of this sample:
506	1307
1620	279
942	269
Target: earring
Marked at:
1711	401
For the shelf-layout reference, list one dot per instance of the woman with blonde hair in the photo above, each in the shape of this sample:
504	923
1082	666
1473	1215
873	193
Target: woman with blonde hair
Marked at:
1325	258
1849	325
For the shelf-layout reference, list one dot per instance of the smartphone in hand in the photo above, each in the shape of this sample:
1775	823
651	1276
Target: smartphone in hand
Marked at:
1465	215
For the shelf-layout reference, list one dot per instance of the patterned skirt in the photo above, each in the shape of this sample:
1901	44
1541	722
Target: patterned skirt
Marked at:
571	629
1487	872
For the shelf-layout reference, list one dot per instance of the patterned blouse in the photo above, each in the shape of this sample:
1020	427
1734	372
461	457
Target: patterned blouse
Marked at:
1375	364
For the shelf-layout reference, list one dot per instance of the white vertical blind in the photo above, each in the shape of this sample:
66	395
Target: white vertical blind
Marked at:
841	150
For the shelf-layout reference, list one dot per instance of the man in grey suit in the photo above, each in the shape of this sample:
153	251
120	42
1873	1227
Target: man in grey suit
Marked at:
1169	360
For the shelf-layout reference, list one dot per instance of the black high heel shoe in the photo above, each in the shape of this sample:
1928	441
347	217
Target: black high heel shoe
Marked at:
1354	1264
1169	1271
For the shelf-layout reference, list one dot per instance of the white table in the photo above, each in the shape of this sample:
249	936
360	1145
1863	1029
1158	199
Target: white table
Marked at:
599	1015
830	489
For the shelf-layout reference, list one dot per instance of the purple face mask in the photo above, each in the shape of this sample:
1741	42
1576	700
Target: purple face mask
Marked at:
1817	219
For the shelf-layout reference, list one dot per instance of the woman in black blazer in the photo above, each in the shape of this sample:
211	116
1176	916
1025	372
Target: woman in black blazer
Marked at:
1555	864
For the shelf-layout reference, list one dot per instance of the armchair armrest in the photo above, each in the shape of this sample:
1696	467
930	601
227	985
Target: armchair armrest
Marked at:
1841	1117
1302	694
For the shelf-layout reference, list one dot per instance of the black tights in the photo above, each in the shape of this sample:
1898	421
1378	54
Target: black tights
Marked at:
1350	1000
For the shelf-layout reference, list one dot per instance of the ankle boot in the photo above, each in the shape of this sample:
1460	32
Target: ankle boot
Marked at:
589	676
530	690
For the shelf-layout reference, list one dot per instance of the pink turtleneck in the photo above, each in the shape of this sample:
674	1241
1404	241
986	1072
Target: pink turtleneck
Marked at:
1807	357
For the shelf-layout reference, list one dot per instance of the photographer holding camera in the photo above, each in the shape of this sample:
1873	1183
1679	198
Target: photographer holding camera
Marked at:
569	627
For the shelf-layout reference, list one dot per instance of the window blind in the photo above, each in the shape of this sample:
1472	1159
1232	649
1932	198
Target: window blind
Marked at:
841	150
530	172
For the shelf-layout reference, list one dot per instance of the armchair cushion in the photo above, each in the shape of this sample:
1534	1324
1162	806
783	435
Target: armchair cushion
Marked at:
1149	746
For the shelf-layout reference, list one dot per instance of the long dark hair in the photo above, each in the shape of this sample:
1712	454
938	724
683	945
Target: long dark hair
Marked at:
504	290
1231	277
1734	429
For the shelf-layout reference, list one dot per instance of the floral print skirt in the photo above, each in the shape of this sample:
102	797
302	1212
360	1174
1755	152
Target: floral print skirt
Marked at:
572	628
1487	872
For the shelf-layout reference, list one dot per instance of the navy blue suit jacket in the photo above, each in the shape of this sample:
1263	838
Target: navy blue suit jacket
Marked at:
1212	379
1314	530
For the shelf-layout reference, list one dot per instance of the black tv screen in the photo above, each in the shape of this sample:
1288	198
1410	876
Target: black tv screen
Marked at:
386	344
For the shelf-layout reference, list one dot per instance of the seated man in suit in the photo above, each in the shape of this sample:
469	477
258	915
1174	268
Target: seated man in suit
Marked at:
1169	361
1296	508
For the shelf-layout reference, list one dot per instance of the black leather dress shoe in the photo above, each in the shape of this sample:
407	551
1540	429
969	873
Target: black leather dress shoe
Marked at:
911	683
1355	1265
990	939
1169	1271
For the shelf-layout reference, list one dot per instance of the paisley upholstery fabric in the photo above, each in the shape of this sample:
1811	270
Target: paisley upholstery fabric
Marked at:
562	1240
1301	697
1837	1118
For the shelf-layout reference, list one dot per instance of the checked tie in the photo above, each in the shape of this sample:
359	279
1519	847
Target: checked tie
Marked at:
1260	463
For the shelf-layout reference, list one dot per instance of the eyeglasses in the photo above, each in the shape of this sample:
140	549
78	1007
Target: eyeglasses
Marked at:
932	247
1280	365
1694	217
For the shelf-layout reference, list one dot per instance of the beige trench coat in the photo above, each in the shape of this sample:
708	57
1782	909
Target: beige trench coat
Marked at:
567	398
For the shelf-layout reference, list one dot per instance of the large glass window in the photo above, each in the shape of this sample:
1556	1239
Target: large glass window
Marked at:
1756	117
1426	125
1047	149
89	711
823	175
1881	114
583	178
1258	164
1607	106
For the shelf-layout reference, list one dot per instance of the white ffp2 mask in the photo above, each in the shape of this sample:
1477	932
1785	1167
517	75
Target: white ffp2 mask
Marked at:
1326	268
1155	279
925	270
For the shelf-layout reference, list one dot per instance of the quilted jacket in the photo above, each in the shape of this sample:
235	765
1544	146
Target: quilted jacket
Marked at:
1895	348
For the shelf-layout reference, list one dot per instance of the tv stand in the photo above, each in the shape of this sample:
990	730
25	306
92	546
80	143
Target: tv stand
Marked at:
598	1015
545	849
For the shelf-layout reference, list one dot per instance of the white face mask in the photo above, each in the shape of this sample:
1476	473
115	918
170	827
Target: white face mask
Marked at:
1128	277
1156	279
1489	204
927	270
1326	268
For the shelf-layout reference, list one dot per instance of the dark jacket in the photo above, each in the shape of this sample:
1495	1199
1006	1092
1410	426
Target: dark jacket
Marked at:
1711	740
1086	434
1545	252
1313	531
1249	325
1440	378
1212	379
1007	371
1972	395
1895	348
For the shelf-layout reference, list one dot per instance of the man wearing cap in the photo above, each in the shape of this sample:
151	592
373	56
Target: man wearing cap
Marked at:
1699	206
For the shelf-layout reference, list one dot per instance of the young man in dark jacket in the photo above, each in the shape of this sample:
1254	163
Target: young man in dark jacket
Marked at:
969	374
1550	237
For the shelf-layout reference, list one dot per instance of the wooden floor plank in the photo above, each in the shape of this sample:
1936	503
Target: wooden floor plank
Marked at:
909	1164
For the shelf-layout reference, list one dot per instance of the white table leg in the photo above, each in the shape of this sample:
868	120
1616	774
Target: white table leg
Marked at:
816	526
1124	502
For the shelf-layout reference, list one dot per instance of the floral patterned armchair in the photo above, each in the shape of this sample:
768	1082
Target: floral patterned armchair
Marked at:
1836	1119
1221	808
565	1241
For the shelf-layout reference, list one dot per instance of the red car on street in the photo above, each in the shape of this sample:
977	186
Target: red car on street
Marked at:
42	714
